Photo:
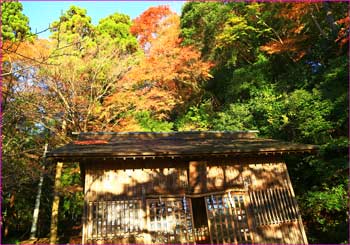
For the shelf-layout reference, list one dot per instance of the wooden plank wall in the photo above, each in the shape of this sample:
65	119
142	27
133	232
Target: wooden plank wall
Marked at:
111	184
283	233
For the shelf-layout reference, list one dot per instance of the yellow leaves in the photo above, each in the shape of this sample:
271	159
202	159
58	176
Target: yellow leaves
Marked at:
285	119
299	28
121	101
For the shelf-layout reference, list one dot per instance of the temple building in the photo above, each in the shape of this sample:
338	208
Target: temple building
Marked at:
186	187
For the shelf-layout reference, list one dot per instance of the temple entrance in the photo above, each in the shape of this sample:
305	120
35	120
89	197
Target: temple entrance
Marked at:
200	221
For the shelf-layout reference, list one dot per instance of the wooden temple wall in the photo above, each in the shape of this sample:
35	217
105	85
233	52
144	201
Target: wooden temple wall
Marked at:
249	201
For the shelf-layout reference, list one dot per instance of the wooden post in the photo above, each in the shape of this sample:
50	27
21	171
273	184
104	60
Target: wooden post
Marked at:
198	176
55	204
87	213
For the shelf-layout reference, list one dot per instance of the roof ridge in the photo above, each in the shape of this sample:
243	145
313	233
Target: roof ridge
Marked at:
165	132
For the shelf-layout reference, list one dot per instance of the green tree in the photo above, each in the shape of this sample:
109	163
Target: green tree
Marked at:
150	124
229	35
201	23
14	24
197	117
116	28
75	24
235	117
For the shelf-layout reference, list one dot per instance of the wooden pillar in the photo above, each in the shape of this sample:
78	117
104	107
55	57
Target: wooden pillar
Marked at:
198	177
86	219
55	204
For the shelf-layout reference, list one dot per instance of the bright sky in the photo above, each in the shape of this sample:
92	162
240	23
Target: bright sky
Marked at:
42	13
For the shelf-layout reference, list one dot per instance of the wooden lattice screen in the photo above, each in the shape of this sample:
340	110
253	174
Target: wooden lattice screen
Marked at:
114	219
273	206
126	209
227	216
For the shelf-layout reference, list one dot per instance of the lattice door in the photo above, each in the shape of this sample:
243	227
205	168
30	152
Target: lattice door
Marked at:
227	216
170	220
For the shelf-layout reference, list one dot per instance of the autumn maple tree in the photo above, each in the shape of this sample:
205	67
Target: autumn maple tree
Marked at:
146	26
169	75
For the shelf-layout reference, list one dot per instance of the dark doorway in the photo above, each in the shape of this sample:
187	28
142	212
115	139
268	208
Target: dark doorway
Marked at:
200	221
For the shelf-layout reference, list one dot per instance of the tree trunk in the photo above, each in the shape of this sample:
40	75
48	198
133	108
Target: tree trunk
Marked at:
37	200
330	19
55	204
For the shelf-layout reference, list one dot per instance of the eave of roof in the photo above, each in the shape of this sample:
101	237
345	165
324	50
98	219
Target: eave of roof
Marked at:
141	145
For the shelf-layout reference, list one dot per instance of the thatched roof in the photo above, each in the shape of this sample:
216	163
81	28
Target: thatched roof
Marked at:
144	145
